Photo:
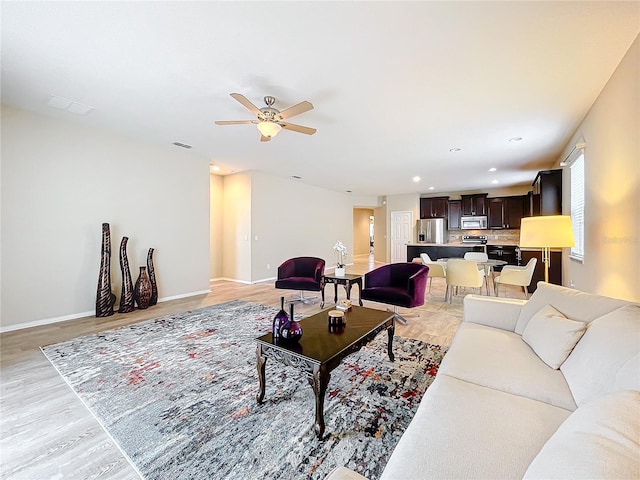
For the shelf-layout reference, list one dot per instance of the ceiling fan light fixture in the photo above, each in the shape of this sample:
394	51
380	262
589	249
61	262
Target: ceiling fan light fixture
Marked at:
269	128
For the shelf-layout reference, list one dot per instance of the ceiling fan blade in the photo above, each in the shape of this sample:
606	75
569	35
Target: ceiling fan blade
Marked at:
298	128
250	106
265	139
296	110
234	122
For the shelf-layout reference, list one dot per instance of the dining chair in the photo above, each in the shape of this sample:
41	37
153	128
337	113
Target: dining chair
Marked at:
513	275
481	258
436	269
462	273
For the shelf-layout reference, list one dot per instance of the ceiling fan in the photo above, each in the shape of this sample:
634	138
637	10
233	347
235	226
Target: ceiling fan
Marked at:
270	120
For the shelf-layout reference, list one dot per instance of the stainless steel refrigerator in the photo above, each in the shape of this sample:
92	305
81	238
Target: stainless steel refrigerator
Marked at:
432	230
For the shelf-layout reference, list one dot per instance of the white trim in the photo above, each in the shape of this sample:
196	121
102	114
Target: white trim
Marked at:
90	313
576	258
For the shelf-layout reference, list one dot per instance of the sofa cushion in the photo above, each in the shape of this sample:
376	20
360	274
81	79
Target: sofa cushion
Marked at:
601	439
606	358
462	430
552	335
573	304
499	359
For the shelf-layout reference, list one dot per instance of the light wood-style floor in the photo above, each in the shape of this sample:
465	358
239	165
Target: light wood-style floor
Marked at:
47	433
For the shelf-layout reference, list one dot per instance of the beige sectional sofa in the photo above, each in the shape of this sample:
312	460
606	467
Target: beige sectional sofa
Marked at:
544	388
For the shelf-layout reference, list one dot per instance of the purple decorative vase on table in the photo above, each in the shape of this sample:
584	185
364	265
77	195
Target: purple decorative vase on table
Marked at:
279	321
291	331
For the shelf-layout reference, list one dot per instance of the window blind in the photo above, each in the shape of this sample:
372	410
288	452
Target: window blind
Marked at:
577	206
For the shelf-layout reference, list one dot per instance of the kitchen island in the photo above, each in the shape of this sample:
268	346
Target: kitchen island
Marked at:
442	250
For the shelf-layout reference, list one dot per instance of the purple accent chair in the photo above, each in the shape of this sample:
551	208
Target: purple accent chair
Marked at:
397	284
301	273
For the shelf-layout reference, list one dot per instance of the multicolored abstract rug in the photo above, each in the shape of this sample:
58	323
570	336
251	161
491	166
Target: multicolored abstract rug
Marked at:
177	394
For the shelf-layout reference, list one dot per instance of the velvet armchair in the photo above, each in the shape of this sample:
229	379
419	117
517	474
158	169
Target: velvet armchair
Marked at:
397	284
301	273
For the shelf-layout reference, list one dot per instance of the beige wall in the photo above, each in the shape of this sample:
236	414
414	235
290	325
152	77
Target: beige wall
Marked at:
216	225
60	182
380	234
267	219
236	227
612	180
361	222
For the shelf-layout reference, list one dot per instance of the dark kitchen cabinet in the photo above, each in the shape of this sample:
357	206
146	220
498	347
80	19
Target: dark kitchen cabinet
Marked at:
505	212
435	207
546	197
455	211
508	253
474	204
555	269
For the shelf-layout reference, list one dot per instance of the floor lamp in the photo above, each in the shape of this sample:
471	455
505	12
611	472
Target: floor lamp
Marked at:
546	232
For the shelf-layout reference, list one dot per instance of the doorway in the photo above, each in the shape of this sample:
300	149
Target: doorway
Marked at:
401	235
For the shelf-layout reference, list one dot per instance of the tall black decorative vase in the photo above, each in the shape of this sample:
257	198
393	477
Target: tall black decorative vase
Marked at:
142	290
152	278
126	296
104	298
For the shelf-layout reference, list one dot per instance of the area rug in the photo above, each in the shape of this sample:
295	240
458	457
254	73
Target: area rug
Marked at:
178	396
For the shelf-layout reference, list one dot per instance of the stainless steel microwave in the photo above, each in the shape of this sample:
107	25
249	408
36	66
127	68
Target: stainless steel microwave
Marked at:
473	223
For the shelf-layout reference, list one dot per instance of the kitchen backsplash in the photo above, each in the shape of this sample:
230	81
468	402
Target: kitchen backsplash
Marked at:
502	236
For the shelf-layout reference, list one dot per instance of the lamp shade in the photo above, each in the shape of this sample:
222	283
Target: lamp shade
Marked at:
547	231
269	128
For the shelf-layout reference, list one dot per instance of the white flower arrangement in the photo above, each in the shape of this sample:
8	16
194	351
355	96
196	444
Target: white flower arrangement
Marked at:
341	252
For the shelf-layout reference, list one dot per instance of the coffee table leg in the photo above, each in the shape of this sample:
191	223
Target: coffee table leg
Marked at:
319	382
262	360
359	283
390	331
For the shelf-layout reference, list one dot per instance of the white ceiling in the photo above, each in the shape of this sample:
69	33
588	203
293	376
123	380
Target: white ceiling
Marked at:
395	85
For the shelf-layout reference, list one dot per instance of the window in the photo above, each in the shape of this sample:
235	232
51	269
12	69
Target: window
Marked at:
577	206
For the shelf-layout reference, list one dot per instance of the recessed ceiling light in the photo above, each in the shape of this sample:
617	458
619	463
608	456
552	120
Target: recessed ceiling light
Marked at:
215	168
495	181
515	139
455	149
297	177
349	191
431	188
416	179
492	169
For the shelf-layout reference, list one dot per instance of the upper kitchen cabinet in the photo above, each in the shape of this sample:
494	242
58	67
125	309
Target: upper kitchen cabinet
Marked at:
505	212
434	207
474	204
546	198
455	211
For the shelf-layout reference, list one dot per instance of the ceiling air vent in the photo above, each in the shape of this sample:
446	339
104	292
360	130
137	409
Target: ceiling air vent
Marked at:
183	145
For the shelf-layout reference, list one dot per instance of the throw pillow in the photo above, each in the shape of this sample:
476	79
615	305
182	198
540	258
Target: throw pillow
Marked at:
601	439
552	335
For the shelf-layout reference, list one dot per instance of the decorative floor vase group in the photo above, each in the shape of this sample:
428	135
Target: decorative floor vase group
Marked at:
143	294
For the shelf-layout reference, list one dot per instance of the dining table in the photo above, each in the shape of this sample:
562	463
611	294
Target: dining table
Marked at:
488	265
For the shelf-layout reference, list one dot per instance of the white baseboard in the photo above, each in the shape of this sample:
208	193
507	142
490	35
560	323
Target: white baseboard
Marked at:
74	316
245	282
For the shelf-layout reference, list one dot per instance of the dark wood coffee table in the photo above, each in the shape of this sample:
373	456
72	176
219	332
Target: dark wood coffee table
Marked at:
319	350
